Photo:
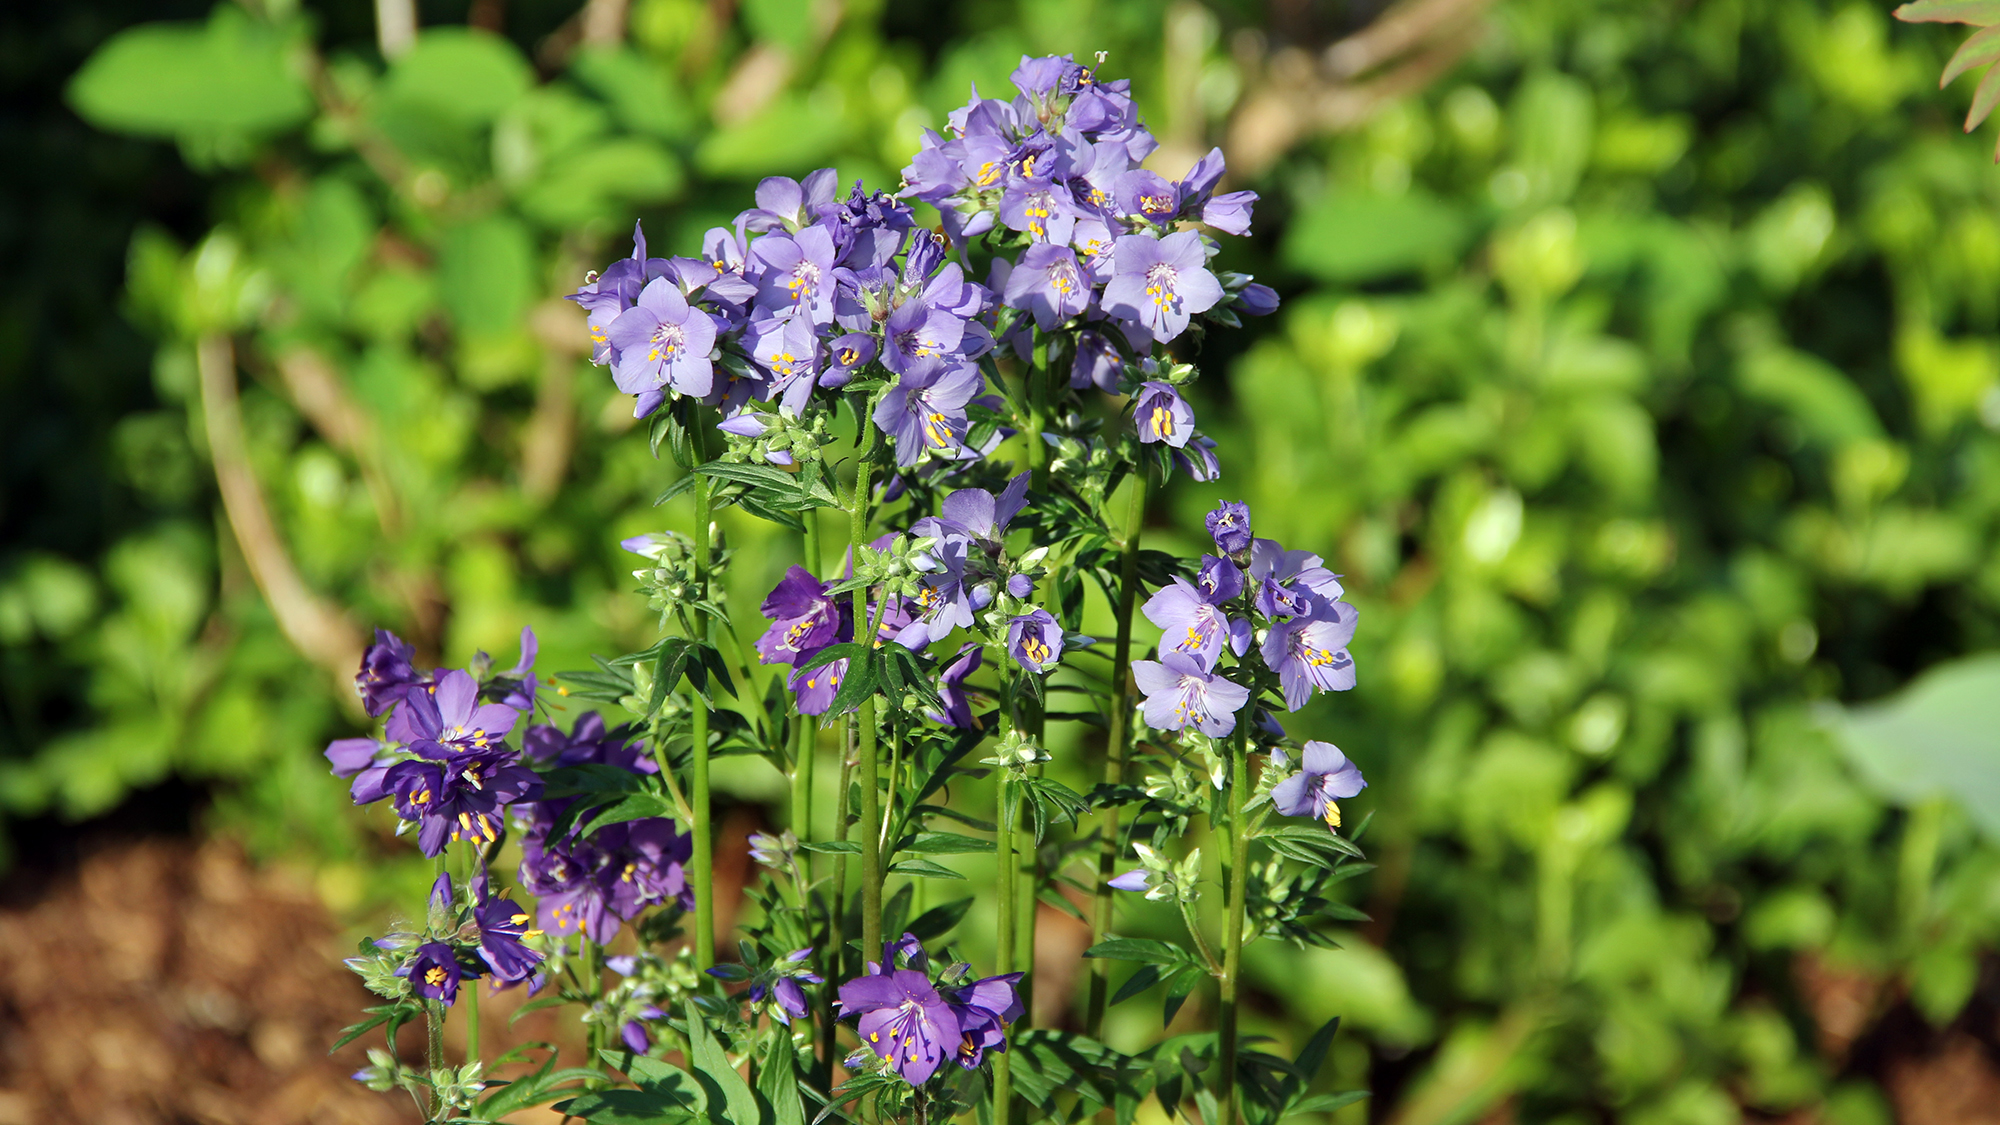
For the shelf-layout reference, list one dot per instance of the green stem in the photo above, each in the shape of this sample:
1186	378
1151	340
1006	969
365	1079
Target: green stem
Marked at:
1194	931
871	801
434	1014
1003	846
837	916
593	989
704	831
472	1021
1115	748
805	742
1232	927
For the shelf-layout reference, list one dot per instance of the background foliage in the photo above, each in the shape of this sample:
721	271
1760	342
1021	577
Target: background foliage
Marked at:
1642	372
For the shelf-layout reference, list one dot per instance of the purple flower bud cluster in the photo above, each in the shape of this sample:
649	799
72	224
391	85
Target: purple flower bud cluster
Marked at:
443	762
913	1021
1290	595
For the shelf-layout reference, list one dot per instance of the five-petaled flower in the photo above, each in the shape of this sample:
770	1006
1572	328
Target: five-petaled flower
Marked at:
1182	692
1326	776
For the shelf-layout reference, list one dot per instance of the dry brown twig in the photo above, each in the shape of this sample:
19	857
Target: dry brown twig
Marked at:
1296	95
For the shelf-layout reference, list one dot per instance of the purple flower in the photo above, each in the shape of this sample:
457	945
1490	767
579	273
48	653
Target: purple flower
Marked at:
1050	283
449	719
1290	583
847	354
1035	641
1257	300
1197	459
502	927
1161	282
1181	692
1147	195
386	672
781	983
926	410
590	885
1163	415
804	619
1326	775
1042	209
788	349
903	1020
785	204
633	1035
816	688
351	756
587	744
459	798
1098	362
951	686
1310	653
663	342
1229	526
797	274
1133	880
434	972
1194	626
919	336
977	513
984	1009
1230	213
1218	580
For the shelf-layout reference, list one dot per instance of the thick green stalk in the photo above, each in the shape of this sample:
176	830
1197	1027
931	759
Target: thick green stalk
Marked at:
1114	747
472	1021
1003	845
704	831
1232	926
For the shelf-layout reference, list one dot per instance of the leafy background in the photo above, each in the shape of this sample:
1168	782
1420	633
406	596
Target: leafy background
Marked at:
1640	366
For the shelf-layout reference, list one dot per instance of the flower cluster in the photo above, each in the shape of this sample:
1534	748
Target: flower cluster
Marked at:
469	935
1288	596
913	1021
443	761
1059	167
590	884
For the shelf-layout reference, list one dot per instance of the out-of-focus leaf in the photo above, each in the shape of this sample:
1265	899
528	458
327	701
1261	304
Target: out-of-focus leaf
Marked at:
230	75
1349	237
1936	738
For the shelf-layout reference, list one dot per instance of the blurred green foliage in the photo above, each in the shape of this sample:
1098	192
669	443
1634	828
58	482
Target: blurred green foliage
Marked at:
1642	373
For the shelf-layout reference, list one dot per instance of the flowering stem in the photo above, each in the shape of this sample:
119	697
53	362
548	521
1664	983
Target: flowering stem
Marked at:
837	916
704	842
805	744
472	1022
1114	751
1232	926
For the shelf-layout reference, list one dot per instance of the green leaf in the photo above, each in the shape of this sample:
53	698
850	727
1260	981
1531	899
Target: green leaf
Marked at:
1140	949
1142	978
1979	13
847	846
1326	1103
463	74
946	843
779	1083
712	1070
923	869
668	1082
233	75
939	920
638	806
1346	237
624	1107
1934	739
486	274
1979	50
1178	987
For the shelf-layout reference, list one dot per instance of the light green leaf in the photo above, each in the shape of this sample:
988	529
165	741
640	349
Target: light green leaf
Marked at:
1935	738
461	73
232	75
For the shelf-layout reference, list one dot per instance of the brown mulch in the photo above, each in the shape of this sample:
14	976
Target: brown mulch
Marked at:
168	981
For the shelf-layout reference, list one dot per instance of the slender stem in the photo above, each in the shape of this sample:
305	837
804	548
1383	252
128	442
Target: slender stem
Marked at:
871	801
1115	748
806	743
1003	845
1232	927
895	773
1200	943
704	830
1029	882
472	1022
837	915
434	1013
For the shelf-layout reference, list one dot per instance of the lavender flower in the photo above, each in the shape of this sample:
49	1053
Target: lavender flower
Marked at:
951	686
1193	625
1219	580
1182	692
663	342
1050	283
1035	641
1163	415
1197	459
1290	583
448	719
797	274
782	984
1133	880
1326	775
804	619
1161	282
926	410
903	1020
1098	362
1310	653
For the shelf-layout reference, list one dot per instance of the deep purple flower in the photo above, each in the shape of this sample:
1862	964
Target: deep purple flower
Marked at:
1050	283
1162	414
816	688
1181	692
386	672
782	984
1193	625
804	619
1161	282
1310	653
903	1020
633	1035
919	337
449	719
434	972
590	885
926	410
502	927
951	686
984	1009
458	798
1229	526
350	756
663	342
1035	641
588	743
1326	775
